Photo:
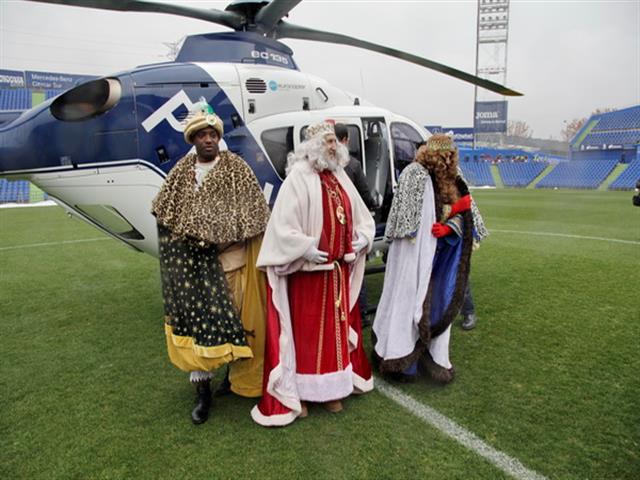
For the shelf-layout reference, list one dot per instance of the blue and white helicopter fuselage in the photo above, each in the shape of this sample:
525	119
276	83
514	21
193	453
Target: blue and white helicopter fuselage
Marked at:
103	148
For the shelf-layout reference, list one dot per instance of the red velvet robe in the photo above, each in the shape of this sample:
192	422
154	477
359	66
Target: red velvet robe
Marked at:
327	368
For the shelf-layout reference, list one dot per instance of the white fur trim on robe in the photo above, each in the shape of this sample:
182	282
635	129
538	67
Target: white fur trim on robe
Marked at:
295	225
406	281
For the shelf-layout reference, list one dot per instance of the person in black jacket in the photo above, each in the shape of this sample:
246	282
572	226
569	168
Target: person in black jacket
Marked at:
356	175
354	169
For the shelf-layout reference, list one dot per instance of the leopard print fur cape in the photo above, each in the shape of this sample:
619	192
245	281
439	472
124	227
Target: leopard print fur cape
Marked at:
406	207
228	207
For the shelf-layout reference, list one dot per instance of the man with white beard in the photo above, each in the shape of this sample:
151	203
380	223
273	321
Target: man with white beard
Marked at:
313	251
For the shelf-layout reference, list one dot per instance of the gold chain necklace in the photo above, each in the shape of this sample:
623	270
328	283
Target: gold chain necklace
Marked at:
331	184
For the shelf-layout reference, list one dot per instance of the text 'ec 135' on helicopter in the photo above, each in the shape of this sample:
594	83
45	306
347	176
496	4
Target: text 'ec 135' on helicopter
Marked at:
103	148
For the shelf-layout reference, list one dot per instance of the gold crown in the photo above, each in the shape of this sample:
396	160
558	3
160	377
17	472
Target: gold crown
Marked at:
321	129
440	143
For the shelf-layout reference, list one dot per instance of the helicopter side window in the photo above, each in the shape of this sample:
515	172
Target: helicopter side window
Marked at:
278	142
87	100
404	138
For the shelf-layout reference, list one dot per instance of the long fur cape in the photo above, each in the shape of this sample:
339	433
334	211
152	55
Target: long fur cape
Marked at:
228	207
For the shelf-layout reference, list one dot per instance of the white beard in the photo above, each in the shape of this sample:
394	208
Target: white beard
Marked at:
314	152
328	160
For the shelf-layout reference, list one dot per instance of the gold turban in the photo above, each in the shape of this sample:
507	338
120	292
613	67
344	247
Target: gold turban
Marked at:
202	120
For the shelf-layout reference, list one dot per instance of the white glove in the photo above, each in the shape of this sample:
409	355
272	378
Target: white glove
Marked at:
358	244
316	256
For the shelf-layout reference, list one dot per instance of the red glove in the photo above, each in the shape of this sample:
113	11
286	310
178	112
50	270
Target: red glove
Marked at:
441	230
461	205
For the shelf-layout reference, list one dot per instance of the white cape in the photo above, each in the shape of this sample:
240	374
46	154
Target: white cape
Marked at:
406	281
296	224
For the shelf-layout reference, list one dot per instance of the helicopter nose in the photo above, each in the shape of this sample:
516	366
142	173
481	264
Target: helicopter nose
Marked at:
93	122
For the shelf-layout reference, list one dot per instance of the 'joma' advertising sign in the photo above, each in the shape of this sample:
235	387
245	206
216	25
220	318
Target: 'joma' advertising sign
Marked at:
491	117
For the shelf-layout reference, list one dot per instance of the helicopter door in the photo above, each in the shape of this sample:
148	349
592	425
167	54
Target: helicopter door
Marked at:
405	140
377	160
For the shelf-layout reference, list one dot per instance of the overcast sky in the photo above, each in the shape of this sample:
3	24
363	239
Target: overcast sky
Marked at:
567	57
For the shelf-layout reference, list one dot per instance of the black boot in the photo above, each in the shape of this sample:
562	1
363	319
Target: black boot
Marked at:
200	413
469	322
224	388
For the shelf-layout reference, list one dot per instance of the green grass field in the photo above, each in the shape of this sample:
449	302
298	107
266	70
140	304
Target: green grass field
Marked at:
550	376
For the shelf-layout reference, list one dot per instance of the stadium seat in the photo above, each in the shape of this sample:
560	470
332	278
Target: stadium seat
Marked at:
587	174
477	174
628	178
520	174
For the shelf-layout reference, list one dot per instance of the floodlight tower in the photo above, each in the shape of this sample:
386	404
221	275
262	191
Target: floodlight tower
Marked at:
490	109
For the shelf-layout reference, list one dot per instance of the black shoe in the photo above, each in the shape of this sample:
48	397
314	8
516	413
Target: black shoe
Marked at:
200	413
224	388
469	322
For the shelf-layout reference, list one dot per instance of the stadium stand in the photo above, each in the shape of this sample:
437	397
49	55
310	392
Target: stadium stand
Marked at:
477	174
629	118
15	99
612	138
628	178
51	93
587	174
520	174
611	135
16	192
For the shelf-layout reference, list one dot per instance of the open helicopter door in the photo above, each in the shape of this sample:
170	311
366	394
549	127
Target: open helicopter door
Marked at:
378	163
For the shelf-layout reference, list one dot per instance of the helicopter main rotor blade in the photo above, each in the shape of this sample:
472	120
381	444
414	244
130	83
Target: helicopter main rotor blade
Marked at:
288	30
269	15
228	19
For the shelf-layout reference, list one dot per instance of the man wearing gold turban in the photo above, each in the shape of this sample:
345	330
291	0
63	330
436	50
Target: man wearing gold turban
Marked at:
211	214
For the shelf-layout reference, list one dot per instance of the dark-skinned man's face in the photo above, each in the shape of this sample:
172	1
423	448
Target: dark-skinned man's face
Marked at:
206	143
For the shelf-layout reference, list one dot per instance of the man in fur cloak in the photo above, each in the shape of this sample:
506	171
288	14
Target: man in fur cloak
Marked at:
314	251
211	215
430	227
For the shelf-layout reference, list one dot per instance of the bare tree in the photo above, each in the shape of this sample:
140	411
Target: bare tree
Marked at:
519	128
571	128
174	48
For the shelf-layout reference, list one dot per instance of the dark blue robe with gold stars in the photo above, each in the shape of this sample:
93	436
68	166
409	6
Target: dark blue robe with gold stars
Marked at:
202	325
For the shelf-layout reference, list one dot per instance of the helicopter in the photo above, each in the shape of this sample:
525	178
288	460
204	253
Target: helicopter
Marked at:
102	149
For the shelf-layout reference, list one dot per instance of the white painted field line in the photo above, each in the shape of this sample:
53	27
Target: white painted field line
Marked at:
567	235
48	244
450	428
